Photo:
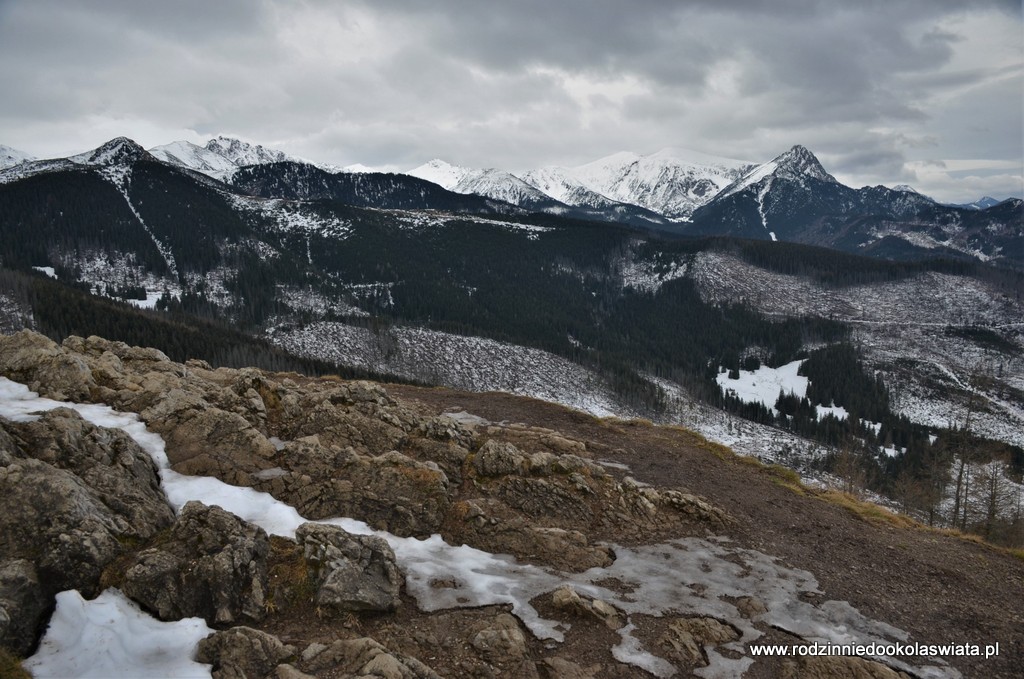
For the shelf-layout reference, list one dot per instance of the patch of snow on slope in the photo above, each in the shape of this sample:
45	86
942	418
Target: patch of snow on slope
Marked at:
10	157
445	175
838	412
187	154
110	637
764	384
48	270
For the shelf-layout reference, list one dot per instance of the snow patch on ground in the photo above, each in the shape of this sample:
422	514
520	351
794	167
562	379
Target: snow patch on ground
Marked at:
764	384
48	270
111	638
838	412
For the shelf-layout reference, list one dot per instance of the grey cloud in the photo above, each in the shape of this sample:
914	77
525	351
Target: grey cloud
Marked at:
391	82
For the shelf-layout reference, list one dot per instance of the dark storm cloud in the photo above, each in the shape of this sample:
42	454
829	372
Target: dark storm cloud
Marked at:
525	83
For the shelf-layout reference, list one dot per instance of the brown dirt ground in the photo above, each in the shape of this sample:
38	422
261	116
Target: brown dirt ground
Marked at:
939	588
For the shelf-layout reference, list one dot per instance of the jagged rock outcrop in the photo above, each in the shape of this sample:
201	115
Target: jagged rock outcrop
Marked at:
88	501
211	564
351	572
364	657
686	638
23	605
242	653
502	644
73	494
40	363
567	599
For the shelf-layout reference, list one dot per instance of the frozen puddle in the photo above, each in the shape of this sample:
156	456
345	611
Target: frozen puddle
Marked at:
684	577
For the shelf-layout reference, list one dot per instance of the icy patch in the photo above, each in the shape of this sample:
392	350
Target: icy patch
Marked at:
111	638
48	270
764	384
631	652
148	303
468	419
838	412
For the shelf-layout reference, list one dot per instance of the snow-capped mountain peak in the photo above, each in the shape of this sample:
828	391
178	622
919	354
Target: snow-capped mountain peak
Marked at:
117	151
796	164
10	157
187	154
243	153
800	162
442	173
672	182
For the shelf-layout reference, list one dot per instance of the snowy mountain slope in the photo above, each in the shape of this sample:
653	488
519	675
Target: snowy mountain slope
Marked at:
672	182
199	158
793	198
558	183
980	204
10	157
490	183
222	156
903	327
243	153
444	174
795	165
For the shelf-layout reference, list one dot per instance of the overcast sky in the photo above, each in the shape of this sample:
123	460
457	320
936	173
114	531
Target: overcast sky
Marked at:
924	92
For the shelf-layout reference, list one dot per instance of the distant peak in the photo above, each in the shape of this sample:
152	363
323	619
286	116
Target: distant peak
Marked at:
242	152
799	161
117	151
905	188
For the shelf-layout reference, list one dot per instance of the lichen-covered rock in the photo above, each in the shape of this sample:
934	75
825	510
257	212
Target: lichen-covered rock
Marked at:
365	658
352	572
560	668
501	643
242	653
211	565
23	605
390	492
567	599
686	638
70	512
204	440
496	458
490	525
44	366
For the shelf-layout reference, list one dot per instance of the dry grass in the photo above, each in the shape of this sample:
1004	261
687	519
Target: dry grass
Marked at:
291	584
10	666
869	511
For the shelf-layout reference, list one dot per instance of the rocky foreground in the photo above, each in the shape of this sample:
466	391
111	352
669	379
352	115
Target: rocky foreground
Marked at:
82	508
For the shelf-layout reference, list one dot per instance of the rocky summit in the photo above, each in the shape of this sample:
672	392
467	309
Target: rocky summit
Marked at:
399	531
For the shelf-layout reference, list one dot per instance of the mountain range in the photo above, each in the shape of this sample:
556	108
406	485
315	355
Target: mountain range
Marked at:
791	197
